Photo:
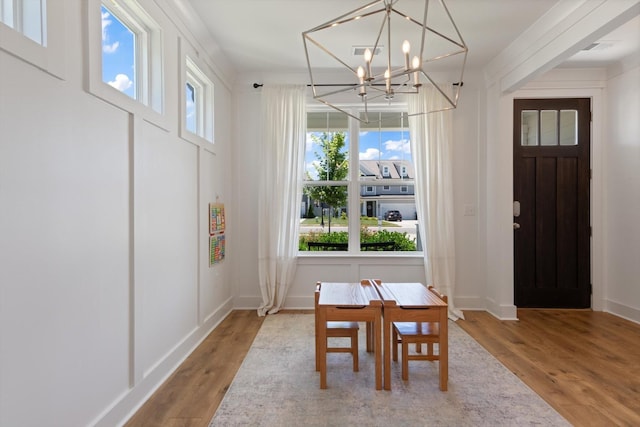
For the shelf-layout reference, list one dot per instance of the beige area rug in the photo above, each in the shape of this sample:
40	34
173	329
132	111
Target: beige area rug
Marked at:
277	385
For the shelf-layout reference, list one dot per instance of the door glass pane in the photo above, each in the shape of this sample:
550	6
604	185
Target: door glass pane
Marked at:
548	127
529	131
568	127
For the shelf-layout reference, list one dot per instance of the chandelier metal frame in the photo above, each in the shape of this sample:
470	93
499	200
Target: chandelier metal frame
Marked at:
371	82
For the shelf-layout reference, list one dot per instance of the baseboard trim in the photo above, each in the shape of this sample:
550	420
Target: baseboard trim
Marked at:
621	310
131	401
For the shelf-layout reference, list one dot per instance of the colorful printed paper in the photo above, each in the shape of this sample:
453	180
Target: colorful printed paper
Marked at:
216	218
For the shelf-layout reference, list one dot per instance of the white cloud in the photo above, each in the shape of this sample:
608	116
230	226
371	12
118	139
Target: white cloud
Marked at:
370	154
309	142
401	145
105	23
110	48
106	47
122	82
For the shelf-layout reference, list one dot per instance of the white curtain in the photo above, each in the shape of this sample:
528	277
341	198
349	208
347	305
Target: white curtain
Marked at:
283	135
431	147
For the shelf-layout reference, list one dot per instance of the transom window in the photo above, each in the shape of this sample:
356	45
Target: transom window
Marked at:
549	127
198	105
119	45
28	17
358	192
130	59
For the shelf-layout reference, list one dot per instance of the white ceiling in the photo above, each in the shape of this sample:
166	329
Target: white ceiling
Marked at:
266	35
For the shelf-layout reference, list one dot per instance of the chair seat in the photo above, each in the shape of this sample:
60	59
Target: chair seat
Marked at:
343	325
426	329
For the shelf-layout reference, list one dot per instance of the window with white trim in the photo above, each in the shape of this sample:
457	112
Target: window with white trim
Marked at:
197	117
125	52
28	17
131	52
346	192
35	33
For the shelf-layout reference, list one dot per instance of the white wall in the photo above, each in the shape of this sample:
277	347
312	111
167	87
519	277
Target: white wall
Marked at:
555	37
467	144
105	285
622	195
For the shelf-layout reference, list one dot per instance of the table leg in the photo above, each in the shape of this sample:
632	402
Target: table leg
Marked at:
387	351
377	340
322	346
443	348
317	337
369	337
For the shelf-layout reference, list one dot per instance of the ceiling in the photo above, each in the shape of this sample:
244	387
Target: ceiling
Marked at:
266	35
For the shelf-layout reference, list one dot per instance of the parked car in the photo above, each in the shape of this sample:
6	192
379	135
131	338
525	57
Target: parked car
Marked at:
392	216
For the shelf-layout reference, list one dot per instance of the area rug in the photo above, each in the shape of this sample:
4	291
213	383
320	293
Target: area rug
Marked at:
277	385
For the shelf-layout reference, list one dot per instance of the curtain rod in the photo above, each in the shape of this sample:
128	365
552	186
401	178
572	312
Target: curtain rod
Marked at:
257	85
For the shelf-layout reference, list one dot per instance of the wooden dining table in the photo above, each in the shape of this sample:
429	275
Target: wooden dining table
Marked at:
353	302
412	302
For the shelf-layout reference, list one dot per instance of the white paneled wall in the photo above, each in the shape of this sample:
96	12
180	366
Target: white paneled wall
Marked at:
105	285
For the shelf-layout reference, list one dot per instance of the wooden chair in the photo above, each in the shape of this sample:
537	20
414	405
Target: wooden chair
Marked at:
338	330
418	333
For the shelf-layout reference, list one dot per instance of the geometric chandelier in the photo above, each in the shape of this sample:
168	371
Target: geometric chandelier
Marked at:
382	54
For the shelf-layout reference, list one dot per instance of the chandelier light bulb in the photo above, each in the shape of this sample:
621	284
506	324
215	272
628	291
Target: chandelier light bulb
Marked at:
406	48
367	55
416	65
361	79
367	60
387	79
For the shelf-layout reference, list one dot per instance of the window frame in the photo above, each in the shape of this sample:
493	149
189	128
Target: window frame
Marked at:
355	184
137	15
50	55
197	73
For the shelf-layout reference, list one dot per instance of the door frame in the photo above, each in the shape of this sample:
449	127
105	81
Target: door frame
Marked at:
596	185
541	283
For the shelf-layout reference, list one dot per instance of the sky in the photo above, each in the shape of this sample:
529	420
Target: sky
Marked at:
118	66
384	145
118	63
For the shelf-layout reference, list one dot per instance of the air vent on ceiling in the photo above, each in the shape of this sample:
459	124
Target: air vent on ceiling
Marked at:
359	50
601	45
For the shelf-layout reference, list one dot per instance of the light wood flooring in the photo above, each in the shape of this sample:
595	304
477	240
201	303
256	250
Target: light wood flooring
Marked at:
585	364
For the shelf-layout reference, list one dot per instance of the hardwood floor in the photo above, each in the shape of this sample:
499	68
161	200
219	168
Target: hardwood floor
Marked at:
585	364
191	395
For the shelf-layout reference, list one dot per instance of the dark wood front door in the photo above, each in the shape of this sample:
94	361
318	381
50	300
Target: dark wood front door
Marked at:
551	166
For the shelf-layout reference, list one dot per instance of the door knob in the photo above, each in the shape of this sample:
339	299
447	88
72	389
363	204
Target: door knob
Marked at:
516	225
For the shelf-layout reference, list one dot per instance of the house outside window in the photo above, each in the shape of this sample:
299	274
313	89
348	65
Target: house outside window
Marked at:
354	167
